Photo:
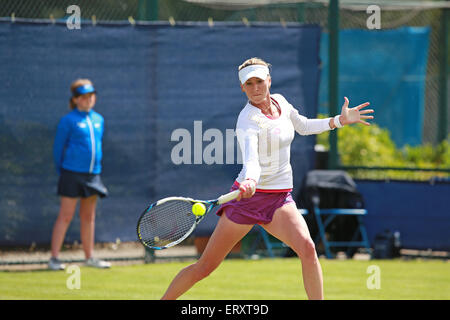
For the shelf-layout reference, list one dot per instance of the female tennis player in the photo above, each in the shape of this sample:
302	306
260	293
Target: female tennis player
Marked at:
77	155
265	129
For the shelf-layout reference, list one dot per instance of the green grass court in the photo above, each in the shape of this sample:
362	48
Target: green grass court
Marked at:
236	279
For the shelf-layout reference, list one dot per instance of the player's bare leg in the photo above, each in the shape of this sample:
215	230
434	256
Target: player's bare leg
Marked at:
87	224
223	239
65	215
289	226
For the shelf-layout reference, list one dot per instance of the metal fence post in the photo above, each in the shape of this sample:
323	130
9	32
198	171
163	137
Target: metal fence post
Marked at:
443	77
148	10
333	81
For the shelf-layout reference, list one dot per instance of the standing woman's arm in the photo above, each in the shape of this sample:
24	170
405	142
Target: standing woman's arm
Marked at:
61	138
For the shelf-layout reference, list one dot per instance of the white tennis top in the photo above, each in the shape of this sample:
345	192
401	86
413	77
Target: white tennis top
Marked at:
265	143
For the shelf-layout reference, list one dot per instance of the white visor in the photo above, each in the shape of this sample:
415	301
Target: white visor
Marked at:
254	70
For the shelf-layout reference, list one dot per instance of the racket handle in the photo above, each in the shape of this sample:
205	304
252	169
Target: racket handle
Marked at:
228	197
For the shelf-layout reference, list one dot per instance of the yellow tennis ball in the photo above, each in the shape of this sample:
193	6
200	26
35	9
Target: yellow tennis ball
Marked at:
198	209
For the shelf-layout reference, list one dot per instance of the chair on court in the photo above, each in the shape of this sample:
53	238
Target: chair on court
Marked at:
336	211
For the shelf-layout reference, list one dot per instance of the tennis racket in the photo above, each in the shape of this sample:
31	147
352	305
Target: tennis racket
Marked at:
169	221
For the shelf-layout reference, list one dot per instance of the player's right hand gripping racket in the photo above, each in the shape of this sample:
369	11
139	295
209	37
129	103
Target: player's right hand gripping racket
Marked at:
169	221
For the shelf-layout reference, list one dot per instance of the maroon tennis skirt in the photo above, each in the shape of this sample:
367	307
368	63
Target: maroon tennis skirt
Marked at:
258	209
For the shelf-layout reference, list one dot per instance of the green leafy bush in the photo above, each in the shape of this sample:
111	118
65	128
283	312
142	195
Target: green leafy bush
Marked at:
372	146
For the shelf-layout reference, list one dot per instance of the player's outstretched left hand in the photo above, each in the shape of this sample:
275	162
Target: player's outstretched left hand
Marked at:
355	115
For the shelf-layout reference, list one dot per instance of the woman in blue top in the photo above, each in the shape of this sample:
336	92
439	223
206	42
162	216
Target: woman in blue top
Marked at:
77	154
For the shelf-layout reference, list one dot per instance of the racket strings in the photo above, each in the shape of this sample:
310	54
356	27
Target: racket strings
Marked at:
166	223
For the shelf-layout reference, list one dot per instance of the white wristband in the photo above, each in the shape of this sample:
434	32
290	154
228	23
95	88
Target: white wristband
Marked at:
337	123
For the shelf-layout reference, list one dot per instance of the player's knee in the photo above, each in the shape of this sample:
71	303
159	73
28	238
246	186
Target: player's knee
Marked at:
87	216
89	219
65	218
307	253
203	270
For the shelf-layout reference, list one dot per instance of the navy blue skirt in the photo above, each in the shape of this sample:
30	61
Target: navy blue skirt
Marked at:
80	185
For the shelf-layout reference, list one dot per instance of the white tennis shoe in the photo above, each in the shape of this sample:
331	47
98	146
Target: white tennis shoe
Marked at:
97	263
56	264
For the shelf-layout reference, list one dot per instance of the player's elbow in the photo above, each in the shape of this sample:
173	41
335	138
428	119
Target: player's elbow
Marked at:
303	132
